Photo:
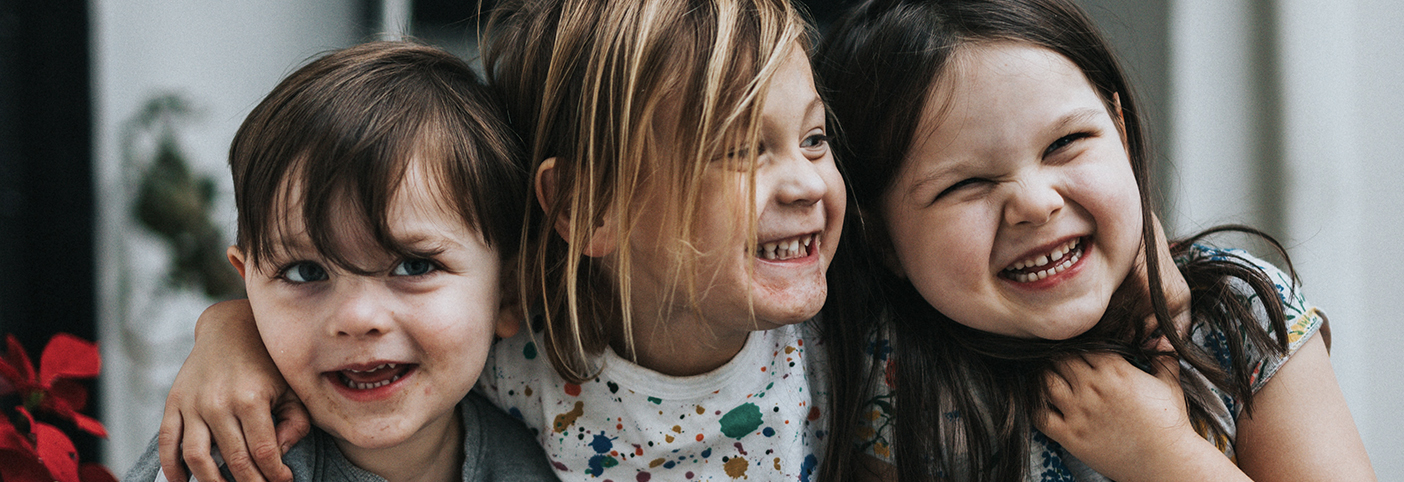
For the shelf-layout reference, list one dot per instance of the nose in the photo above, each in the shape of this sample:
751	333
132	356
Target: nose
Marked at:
1034	201
800	182
361	310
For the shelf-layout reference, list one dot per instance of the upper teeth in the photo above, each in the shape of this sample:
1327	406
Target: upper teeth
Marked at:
782	250
1043	260
382	365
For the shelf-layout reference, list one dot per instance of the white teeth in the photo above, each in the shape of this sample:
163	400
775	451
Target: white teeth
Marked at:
367	386
783	250
1035	276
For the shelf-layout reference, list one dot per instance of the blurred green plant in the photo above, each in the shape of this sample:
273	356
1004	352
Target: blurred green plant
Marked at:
175	203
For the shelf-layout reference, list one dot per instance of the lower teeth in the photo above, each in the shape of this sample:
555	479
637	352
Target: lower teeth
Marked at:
367	386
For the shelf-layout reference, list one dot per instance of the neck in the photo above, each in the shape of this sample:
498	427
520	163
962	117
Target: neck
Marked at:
682	344
433	454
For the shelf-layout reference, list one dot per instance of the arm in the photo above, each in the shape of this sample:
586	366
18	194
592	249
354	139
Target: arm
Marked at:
1127	424
229	390
1300	428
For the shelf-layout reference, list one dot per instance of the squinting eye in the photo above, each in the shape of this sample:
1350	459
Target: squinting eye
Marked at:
305	272
413	267
957	186
1063	142
815	141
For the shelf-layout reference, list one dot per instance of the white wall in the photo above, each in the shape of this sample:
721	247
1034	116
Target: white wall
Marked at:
223	57
1285	116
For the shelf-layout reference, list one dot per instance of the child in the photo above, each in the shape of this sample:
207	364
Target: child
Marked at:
1002	176
689	210
373	246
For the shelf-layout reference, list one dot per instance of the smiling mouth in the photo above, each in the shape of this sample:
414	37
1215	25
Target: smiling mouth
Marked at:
1045	265
379	376
792	248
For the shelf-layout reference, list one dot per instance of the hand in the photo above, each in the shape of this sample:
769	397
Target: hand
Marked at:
230	390
1127	424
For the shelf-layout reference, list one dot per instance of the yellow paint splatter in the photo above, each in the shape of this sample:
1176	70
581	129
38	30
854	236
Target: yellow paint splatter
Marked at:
866	432
565	420
655	462
677	429
736	468
874	415
881	450
789	350
527	391
701	410
668	438
777	464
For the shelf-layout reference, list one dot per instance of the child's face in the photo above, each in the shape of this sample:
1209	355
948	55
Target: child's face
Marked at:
799	206
381	359
1016	211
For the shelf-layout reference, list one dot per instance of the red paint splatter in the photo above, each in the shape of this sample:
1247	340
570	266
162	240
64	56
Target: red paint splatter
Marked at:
740	449
572	389
643	477
699	437
814	414
638	450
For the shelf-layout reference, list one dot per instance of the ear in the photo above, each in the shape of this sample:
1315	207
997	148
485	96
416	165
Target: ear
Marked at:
601	240
236	258
509	310
1120	117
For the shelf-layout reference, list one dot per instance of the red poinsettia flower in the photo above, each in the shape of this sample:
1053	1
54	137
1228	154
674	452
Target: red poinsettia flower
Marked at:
44	455
66	358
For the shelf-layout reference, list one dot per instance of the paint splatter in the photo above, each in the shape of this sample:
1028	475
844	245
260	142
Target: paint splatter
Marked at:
736	468
565	420
807	467
813	414
600	462
655	462
572	389
701	410
655	400
560	466
668	438
677	429
768	432
601	444
529	351
643	477
707	452
613	387
777	464
741	421
740	449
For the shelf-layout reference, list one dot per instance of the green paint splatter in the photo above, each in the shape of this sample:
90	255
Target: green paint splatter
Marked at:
741	421
655	400
529	351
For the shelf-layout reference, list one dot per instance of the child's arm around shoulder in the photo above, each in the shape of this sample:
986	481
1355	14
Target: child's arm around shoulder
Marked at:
1300	428
228	392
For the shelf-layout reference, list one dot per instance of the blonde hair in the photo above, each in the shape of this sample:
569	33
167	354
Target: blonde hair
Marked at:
590	83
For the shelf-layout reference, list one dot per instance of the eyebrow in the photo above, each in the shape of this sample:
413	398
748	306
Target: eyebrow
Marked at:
1085	115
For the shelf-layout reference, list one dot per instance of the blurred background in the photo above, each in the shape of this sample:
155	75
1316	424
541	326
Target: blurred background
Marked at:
116	116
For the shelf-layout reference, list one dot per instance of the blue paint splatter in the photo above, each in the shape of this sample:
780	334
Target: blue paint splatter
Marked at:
601	444
807	467
707	453
768	432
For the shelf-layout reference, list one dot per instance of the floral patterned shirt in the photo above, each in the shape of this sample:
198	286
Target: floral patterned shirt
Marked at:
1048	461
759	417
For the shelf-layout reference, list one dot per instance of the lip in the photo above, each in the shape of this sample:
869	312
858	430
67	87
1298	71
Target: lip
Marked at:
383	392
1086	245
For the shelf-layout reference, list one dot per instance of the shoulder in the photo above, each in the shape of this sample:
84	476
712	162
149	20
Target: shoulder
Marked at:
498	447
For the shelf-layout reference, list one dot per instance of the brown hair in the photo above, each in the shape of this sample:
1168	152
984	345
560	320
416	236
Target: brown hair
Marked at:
878	66
348	126
594	85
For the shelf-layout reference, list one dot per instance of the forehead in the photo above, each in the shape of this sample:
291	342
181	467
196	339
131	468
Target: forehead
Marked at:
1001	92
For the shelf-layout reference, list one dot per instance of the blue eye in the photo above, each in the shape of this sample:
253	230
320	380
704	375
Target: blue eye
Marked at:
304	272
815	141
413	267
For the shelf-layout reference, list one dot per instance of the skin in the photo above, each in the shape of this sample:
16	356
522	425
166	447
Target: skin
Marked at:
798	191
799	194
1019	156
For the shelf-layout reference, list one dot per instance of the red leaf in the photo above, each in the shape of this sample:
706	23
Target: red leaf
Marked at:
17	367
12	440
57	453
72	393
67	356
22	467
90	425
91	472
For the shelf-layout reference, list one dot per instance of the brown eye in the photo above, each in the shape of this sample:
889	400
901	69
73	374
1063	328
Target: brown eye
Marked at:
304	272
1062	142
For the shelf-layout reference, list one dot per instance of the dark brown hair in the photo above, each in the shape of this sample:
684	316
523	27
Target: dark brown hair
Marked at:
592	84
877	66
348	126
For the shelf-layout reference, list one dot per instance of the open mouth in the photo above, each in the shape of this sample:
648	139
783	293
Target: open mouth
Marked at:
792	248
375	377
1045	265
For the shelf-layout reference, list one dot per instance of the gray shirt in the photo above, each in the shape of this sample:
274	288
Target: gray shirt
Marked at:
496	447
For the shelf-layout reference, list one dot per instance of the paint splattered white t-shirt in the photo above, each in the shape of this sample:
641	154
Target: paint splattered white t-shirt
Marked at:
759	417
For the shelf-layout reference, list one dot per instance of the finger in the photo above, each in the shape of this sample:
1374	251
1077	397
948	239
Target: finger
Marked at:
263	445
168	445
228	433
195	449
293	422
1058	387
